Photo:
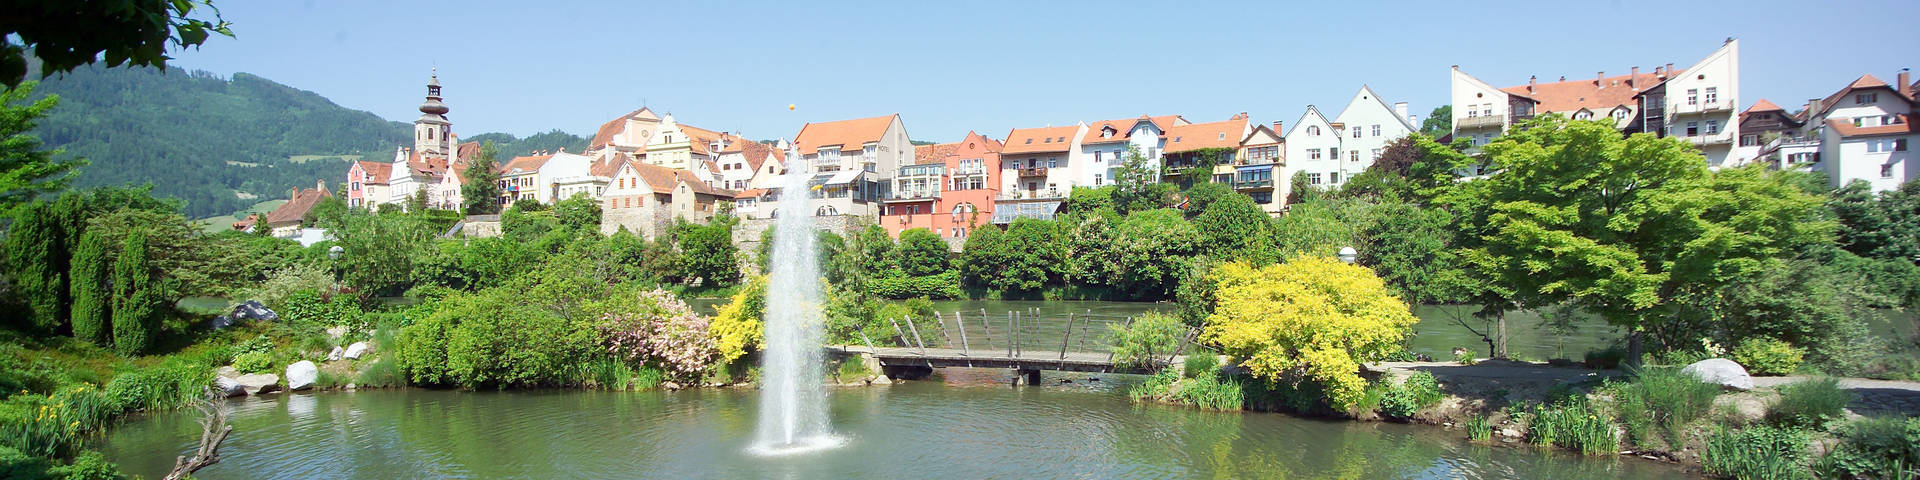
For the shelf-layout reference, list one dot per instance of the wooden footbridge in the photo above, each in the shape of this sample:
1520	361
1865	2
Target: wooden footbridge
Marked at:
1024	341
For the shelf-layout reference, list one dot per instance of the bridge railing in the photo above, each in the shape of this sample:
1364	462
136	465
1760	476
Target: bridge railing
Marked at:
1028	335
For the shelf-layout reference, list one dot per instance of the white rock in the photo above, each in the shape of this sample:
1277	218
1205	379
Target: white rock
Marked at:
1720	371
301	375
227	371
259	383
335	354
229	387
337	331
880	380
357	350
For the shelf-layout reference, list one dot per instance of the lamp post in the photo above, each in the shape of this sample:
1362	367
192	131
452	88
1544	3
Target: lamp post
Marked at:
1348	255
333	257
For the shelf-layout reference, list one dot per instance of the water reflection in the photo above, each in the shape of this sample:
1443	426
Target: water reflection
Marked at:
975	427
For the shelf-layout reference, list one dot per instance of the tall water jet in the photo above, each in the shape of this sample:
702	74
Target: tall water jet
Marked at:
793	395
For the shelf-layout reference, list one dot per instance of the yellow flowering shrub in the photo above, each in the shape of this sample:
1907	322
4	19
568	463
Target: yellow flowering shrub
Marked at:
1313	317
737	327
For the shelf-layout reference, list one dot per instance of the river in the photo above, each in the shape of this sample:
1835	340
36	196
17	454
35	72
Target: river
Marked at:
964	424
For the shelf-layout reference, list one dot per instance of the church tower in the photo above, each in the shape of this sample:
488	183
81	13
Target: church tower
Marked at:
432	132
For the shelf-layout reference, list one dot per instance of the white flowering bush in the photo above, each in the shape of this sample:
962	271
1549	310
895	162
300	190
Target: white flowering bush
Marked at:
660	330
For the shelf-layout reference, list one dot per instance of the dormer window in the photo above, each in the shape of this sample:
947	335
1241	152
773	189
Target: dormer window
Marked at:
1313	130
1106	132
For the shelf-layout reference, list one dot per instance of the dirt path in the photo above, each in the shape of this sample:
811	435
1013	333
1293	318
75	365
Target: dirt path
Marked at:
1499	382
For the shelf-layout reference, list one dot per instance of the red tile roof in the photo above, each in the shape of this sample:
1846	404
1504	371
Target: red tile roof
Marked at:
297	207
664	180
377	172
750	193
849	135
1596	96
610	166
1195	136
1864	82
1762	106
1040	140
936	153
466	151
525	164
1124	128
1846	129
756	153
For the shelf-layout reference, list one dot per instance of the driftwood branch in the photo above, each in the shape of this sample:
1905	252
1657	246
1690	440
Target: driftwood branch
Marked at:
213	432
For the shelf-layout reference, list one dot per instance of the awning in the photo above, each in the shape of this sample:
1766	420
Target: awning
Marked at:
844	177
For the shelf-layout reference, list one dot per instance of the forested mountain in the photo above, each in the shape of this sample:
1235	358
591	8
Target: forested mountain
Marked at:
222	144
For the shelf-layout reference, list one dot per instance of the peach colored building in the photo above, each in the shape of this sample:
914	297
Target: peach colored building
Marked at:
950	190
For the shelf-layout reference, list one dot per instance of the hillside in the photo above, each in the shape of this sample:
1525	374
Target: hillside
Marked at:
222	144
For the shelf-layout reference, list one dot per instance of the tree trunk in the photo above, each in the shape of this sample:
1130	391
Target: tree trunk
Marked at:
1634	349
1500	335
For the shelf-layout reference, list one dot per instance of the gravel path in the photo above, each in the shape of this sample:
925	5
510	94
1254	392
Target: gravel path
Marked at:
1529	379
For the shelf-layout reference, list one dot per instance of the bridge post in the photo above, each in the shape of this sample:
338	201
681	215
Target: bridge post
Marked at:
1066	340
863	338
984	322
1013	330
1123	326
916	340
964	350
943	329
1032	375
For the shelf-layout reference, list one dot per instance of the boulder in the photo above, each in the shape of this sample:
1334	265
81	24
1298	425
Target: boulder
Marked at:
337	331
1722	372
357	350
259	383
301	375
229	387
227	371
335	354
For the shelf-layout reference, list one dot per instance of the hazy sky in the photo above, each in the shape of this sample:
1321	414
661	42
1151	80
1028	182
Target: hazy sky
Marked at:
948	67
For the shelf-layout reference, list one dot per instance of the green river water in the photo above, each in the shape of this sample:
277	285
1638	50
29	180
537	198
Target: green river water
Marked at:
962	424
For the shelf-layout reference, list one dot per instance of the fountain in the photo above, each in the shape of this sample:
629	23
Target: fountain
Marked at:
793	395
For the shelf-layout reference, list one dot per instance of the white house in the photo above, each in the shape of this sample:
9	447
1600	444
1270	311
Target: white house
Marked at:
1371	126
1313	149
1036	163
1866	132
853	162
567	174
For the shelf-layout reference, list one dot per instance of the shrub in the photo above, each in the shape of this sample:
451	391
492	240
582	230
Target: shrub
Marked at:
1576	426
937	286
851	368
314	308
1210	392
1201	364
171	384
1314	317
92	289
1809	403
1145	341
738	327
493	338
1479	428
1606	358
1464	357
382	373
1155	386
88	465
1417	393
1664	400
1875	447
1758	452
253	362
663	331
136	303
1766	356
282	284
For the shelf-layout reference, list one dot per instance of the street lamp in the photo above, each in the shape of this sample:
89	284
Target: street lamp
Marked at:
335	252
1348	254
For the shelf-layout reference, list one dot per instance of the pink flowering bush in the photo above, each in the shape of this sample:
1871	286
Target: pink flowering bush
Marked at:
661	330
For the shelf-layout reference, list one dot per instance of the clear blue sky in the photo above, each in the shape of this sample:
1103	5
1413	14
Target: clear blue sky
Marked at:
523	67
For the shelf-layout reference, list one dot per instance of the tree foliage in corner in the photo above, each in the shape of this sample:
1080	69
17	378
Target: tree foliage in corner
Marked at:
66	35
481	191
1439	123
27	170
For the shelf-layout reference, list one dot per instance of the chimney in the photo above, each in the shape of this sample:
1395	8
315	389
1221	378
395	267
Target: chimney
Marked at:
320	185
1633	80
1533	80
1276	126
1413	119
293	193
1598	76
1400	108
1900	80
1669	69
1563	78
1813	108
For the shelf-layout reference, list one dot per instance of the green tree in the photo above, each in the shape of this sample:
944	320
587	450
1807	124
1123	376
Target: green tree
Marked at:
92	289
1309	318
1321	226
136	299
1089	200
1023	258
27	170
418	201
1886	225
1408	247
133	32
1203	195
709	254
1149	252
1624	226
922	253
37	256
579	212
1439	123
1137	185
481	191
378	251
1235	228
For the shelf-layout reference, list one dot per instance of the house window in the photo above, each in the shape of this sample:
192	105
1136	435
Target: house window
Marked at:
1583	115
1749	140
356	186
1472	111
1713	95
1313	130
1053	163
1488	111
1313	179
1900	145
1097	178
1376	154
1333	177
1886	171
1693	96
1376	130
1873	146
1866	98
1313	154
1333	153
1620	114
1713	127
1356	131
1353	155
1096	156
1693	129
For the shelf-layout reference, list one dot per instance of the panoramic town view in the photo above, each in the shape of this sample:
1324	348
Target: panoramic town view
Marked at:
364	239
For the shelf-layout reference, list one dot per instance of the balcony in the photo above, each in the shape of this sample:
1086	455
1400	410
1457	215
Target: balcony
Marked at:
1033	172
1031	195
1477	122
1250	184
1703	107
912	195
